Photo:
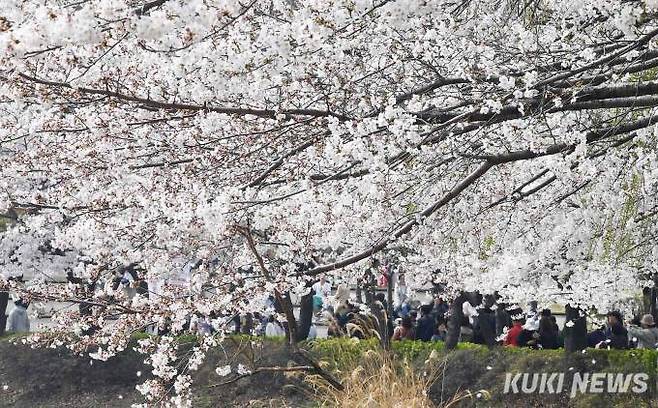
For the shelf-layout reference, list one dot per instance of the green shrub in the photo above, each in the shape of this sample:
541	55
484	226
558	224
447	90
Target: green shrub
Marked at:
340	352
475	367
412	349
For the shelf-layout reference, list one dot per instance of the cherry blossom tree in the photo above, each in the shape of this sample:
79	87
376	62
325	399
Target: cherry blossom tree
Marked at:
512	145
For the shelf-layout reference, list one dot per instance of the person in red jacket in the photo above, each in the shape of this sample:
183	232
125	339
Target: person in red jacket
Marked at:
513	333
405	331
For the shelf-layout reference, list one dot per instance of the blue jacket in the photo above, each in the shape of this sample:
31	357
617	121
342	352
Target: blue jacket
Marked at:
425	328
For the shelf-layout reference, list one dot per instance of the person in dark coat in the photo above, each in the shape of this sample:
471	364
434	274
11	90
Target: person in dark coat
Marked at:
440	308
596	336
237	324
426	323
616	335
503	319
548	335
486	323
440	330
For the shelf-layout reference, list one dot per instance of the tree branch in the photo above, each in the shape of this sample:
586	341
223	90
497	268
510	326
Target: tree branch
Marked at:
263	113
454	192
264	370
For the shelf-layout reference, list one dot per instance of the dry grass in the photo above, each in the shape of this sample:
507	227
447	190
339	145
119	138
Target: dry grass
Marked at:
383	381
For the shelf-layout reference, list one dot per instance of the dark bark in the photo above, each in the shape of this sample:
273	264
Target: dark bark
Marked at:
290	324
389	294
653	310
404	229
305	316
143	10
646	300
4	300
575	337
591	137
455	322
303	357
165	105
652	304
369	288
359	294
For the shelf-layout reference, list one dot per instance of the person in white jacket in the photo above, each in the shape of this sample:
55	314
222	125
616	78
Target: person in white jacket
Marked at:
18	321
322	288
273	328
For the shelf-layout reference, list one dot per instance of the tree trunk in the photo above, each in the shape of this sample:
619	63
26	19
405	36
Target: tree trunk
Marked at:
305	315
652	304
653	292
389	294
359	295
455	322
369	288
575	337
4	300
291	324
647	294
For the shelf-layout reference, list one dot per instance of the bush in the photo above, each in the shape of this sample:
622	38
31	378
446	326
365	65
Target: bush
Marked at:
475	367
376	381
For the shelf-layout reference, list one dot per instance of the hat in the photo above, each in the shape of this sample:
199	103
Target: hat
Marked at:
647	319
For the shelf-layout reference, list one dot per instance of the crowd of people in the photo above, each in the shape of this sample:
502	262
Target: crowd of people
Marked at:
483	321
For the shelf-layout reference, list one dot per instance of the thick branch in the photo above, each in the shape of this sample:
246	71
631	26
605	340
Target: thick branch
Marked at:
489	161
599	62
264	370
456	190
628	95
562	147
149	6
280	161
263	113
